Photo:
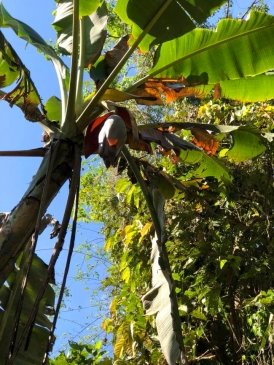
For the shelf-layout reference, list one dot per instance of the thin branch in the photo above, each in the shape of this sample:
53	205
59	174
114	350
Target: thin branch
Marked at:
83	308
249	8
85	116
227	8
205	356
87	326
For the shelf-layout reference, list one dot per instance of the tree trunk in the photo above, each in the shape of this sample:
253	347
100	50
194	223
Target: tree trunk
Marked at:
18	226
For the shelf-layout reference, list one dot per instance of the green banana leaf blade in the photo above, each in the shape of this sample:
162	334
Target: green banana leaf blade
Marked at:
237	49
176	20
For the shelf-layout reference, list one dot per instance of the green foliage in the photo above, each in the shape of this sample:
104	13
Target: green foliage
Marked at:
12	304
53	109
247	144
25	32
208	166
94	24
222	246
174	21
200	57
219	243
82	354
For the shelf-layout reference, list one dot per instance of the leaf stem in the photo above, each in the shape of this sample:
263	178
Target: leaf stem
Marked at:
61	81
68	126
80	71
145	191
83	119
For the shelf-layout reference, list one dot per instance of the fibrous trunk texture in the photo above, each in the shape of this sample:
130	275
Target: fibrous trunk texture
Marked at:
17	227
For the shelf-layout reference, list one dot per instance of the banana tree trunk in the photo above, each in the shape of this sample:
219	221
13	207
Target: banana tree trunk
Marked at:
18	226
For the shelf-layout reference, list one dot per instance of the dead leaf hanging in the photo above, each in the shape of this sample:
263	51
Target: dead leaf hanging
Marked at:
205	140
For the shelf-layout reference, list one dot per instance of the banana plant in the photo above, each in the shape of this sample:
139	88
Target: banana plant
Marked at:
188	61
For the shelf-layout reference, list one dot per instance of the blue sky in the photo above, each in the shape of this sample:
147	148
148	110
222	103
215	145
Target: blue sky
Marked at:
16	133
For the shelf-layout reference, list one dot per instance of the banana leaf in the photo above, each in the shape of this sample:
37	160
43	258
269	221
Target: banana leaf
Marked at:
178	18
237	56
94	21
9	301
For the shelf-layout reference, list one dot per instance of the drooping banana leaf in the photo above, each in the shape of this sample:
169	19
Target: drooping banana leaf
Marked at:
242	143
159	18
177	19
37	346
159	300
25	32
24	95
206	166
230	55
93	33
247	141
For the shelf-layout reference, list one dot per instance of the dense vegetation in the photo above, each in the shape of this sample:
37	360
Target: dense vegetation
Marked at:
220	247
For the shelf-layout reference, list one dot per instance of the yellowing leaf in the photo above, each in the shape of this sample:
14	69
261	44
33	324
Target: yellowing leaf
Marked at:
108	244
146	229
126	274
198	208
113	305
123	340
129	233
122	185
222	263
107	325
155	91
223	152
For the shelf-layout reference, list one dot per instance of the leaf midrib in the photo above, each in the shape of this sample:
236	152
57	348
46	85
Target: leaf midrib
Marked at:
200	50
